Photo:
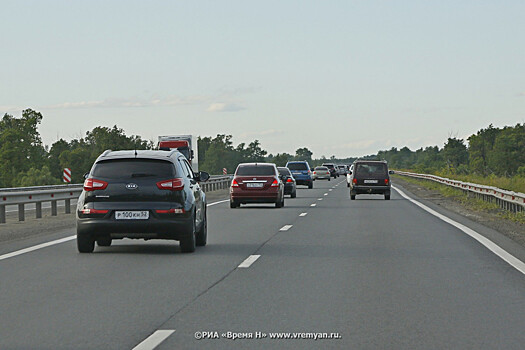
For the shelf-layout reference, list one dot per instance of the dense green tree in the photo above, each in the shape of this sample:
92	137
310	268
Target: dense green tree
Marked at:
303	154
455	153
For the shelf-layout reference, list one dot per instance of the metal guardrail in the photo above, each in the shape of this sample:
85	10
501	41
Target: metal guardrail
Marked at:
40	194
508	200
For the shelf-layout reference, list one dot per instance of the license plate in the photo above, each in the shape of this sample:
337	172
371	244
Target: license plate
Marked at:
132	215
254	184
371	181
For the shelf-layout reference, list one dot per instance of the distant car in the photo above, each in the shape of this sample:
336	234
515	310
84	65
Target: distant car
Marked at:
370	177
288	181
341	169
332	168
256	183
301	172
322	173
142	194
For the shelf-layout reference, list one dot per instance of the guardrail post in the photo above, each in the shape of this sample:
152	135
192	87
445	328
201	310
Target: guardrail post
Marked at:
68	206
38	210
54	208
21	212
2	214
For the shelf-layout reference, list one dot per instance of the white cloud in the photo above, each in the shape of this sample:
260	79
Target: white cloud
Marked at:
248	135
224	107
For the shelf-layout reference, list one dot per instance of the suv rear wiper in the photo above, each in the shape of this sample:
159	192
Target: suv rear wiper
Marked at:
142	175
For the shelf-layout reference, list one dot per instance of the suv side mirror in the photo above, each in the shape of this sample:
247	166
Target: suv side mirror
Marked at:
350	172
202	176
391	172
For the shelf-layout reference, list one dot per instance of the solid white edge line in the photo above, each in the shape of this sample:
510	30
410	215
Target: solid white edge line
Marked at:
62	240
36	247
286	227
249	261
154	340
303	214
493	247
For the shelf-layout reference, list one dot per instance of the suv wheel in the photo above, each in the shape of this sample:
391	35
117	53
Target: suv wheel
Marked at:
85	243
187	244
294	194
311	185
387	197
104	241
202	234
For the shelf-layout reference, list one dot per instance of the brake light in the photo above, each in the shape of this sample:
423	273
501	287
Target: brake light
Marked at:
275	183
235	183
289	180
386	181
170	211
354	181
315	172
94	211
309	172
94	184
171	185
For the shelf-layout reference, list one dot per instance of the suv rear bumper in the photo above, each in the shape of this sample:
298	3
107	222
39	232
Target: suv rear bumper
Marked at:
154	228
370	189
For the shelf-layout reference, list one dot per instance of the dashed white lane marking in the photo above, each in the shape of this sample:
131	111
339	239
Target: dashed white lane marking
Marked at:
319	199
326	194
313	205
249	261
286	227
493	247
61	240
303	214
330	190
154	340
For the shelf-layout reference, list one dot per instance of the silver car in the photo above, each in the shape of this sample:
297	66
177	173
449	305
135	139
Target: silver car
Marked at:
321	173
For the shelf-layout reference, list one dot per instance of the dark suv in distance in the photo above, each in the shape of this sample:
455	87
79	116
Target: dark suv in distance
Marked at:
370	177
144	195
301	173
257	183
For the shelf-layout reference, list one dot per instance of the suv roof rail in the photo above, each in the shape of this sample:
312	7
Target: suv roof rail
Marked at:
105	153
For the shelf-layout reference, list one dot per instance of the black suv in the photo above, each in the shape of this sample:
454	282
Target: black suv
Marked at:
370	177
145	195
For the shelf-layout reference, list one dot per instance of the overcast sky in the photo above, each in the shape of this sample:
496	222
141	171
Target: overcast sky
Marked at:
343	78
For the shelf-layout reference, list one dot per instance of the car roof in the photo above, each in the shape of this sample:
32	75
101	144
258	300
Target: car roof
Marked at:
137	154
256	164
369	161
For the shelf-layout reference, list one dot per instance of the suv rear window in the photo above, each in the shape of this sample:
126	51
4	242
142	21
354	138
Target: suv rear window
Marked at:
134	168
297	166
251	170
364	169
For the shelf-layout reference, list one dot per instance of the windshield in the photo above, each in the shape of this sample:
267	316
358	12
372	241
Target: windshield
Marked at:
133	168
253	170
297	166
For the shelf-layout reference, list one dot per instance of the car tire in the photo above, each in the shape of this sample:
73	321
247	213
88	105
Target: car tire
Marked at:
329	179
347	184
294	194
279	204
234	204
85	243
387	197
311	185
187	244
104	241
352	197
202	234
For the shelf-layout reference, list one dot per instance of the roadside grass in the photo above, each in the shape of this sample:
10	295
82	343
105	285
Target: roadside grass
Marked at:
465	199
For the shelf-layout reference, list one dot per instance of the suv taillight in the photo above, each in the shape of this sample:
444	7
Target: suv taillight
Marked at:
386	181
172	185
94	184
289	180
354	181
94	211
275	183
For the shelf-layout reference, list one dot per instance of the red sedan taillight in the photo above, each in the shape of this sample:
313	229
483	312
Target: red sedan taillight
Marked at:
171	185
235	183
289	180
94	184
275	183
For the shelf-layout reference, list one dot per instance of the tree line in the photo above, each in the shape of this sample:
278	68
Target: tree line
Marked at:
26	161
491	151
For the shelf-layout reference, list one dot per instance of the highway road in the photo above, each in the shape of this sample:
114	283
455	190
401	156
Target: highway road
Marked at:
368	274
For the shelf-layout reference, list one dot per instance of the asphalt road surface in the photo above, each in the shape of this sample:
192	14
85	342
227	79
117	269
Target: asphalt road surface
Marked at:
364	274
